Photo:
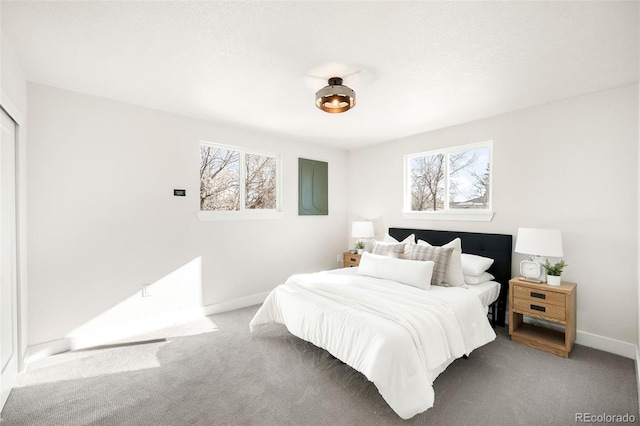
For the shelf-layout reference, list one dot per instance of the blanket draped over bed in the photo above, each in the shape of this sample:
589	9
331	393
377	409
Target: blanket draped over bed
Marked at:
400	337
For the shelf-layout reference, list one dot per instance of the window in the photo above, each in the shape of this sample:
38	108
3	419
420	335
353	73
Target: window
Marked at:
236	182
453	183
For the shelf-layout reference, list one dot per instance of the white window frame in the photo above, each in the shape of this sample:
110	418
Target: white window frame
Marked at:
244	213
476	215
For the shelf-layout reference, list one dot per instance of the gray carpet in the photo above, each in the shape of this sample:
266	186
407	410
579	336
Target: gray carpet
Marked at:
216	373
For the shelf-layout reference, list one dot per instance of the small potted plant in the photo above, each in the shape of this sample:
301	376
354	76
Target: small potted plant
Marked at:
360	246
554	272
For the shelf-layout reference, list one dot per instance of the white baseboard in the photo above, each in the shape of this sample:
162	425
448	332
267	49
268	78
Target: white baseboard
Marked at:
112	334
618	347
232	305
43	350
130	329
123	331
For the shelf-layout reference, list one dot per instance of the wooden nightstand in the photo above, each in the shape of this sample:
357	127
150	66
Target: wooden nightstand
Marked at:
350	260
551	303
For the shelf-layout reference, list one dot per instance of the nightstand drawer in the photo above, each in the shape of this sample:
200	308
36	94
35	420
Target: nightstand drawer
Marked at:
540	309
350	260
537	296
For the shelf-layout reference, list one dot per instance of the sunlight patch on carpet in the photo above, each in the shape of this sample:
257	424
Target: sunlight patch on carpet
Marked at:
83	364
139	352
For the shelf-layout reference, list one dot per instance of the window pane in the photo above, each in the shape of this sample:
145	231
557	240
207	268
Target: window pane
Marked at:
427	182
469	179
260	186
219	179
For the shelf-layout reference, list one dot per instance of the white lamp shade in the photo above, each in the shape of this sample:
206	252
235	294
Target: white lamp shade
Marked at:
539	242
362	230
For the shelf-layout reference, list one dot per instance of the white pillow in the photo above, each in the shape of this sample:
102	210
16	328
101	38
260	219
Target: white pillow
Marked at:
389	239
415	273
484	277
475	265
455	278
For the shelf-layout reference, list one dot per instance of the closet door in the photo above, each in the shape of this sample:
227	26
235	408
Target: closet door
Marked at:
8	259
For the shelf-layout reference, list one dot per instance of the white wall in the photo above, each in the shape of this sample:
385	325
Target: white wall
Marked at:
571	165
103	220
13	98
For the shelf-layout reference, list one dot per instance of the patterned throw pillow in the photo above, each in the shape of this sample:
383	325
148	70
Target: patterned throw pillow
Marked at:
455	277
398	251
439	256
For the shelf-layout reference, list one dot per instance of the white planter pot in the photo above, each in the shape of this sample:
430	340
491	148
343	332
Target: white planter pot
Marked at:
553	280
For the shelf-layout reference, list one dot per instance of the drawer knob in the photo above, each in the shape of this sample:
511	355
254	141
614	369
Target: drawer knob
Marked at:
353	259
538	295
538	308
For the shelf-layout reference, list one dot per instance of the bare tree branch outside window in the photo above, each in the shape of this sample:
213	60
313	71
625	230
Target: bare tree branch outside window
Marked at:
427	183
466	174
483	185
260	182
469	179
221	181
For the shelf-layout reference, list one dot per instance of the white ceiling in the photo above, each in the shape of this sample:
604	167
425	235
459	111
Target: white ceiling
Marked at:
415	66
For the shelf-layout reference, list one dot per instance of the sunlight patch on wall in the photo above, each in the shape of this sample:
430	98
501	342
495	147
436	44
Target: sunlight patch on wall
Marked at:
173	299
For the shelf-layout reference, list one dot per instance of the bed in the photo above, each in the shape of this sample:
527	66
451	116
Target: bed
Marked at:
399	336
498	247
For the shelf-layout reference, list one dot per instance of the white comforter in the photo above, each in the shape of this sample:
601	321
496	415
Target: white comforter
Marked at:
400	337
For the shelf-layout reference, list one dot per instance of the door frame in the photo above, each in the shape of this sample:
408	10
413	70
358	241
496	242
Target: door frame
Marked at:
20	253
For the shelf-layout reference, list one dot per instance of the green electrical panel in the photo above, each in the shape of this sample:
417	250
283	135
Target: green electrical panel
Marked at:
313	187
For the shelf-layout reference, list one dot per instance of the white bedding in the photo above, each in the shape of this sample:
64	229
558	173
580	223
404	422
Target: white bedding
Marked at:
400	337
487	291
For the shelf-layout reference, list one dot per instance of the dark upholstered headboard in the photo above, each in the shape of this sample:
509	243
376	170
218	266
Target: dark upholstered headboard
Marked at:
496	246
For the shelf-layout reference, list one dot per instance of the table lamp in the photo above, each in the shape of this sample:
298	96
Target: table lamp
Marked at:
537	243
361	230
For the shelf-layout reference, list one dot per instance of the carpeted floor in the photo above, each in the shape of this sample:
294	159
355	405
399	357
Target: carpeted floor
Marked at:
214	372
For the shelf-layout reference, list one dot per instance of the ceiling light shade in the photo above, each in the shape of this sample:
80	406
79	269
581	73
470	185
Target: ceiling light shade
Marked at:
335	98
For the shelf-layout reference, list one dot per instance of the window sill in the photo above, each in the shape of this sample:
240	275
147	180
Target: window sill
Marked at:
206	216
485	216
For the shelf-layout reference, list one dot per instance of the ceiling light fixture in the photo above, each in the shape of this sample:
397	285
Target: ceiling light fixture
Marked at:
335	98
